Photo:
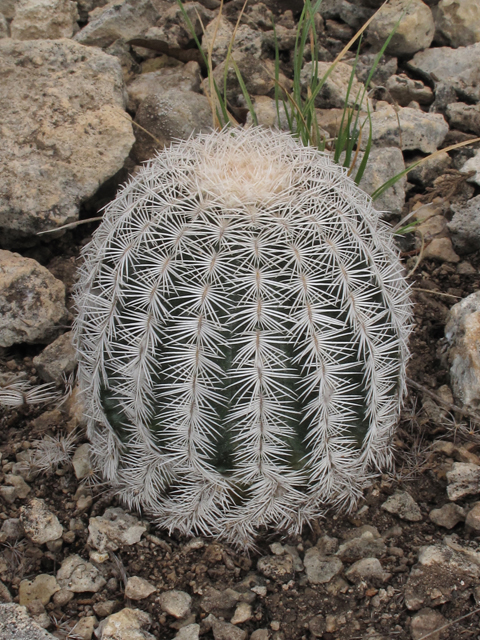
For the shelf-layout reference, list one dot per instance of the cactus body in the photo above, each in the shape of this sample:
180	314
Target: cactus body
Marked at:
242	336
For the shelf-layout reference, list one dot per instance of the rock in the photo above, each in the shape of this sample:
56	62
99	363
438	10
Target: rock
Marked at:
458	68
404	506
317	626
321	569
65	132
7	8
403	90
279	568
12	529
224	630
367	569
465	226
425	622
173	114
32	301
260	634
419	130
16	624
465	117
138	588
44	19
127	624
447	516
4	29
386	67
175	603
415	31
441	249
462	332
5	595
42	588
85	627
105	608
334	91
189	632
18	483
9	494
118	19
57	360
432	167
39	523
62	597
243	613
472	520
443	572
184	78
463	480
365	546
458	21
85	6
172	29
79	576
115	528
327	545
81	461
472	164
267	115
219	603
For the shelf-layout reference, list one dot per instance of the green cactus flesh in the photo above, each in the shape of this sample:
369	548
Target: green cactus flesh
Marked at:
242	336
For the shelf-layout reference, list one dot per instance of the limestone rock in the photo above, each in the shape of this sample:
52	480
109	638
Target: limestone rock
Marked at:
367	569
16	624
39	523
21	487
115	528
79	576
219	603
419	130
403	90
176	603
279	568
267	115
225	630
64	132
172	28
457	68
118	19
127	624
32	301
189	632
458	21
441	249
321	569
7	8
42	588
334	92
443	571
465	117
472	520
138	588
426	172
81	461
44	19
12	529
57	360
462	332
243	613
463	480
365	546
85	627
465	226
415	31
172	114
404	506
473	164
447	516
387	66
184	78
425	622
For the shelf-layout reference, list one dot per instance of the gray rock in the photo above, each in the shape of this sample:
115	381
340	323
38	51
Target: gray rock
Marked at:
443	571
327	545
16	624
189	632
18	483
426	622
171	28
114	529
472	521
354	14
7	8
386	67
5	595
459	68
320	569
65	132
173	114
176	603
85	6
472	164
12	529
224	630
251	42
465	117
404	506
81	461
334	91
465	226
57	360
219	603
366	546
138	588
426	172
44	19
42	588
462	331
403	90
458	22
127	624
184	78
279	568
463	480
32	301
4	28
261	634
79	576
367	569
243	613
447	516
39	523
441	249
118	19
267	114
415	31
419	130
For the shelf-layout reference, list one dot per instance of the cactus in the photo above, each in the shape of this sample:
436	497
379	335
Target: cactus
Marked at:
242	336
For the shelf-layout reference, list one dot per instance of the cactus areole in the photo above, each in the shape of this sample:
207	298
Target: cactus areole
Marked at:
242	336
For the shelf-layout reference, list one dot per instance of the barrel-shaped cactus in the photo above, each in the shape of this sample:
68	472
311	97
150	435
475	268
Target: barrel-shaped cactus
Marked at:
242	336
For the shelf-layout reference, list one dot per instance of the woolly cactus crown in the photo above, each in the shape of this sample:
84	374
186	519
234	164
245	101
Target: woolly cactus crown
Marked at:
242	335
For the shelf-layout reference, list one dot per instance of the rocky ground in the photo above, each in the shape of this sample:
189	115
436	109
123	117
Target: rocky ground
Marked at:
406	564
